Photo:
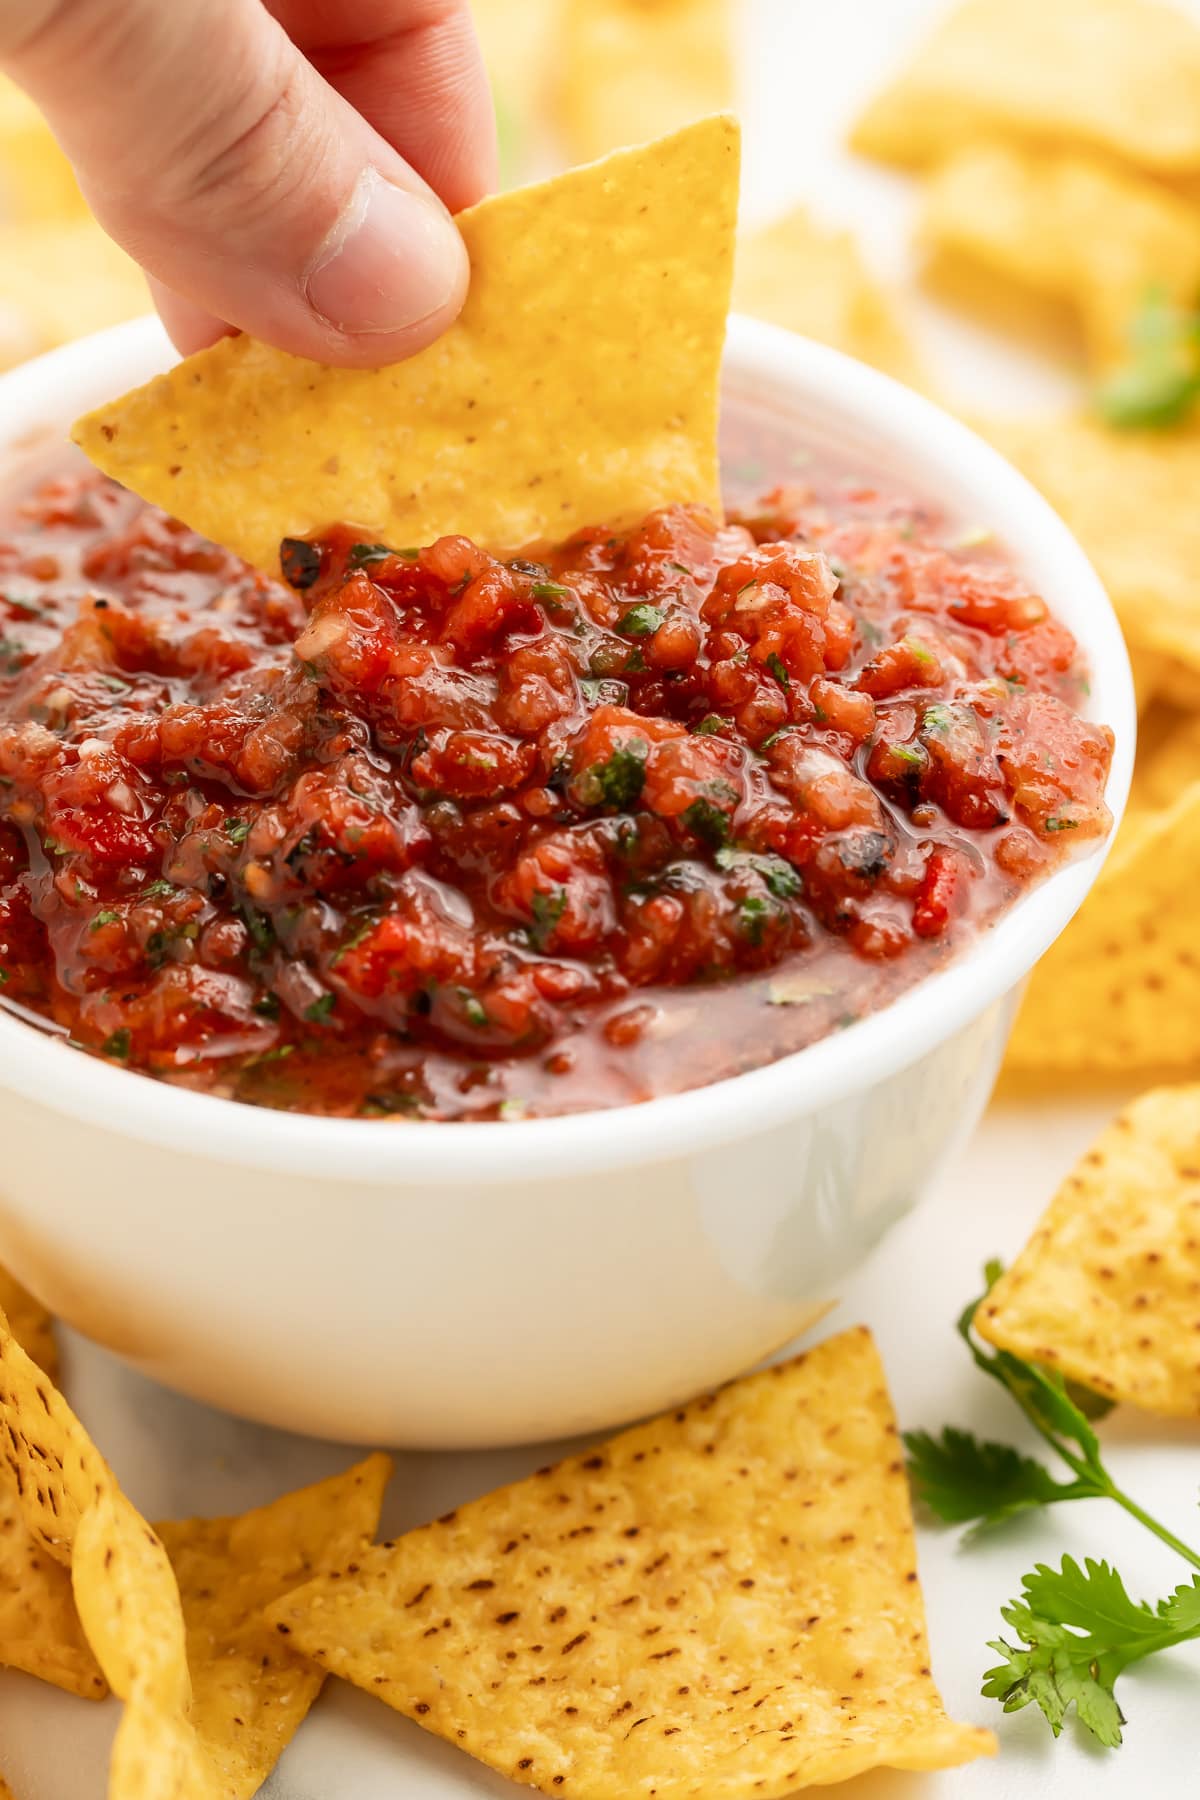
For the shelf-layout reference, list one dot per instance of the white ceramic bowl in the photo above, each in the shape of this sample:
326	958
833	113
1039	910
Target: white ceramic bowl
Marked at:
459	1285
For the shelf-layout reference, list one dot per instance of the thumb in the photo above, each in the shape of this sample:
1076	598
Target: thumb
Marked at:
212	150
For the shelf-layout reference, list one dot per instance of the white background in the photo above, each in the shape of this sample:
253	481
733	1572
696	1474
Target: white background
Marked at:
807	64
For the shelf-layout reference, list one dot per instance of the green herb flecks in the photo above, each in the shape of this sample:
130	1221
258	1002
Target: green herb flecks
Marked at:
779	876
708	820
108	917
321	1011
117	1045
362	556
618	781
474	1011
1077	1628
237	830
775	664
547	910
711	725
642	620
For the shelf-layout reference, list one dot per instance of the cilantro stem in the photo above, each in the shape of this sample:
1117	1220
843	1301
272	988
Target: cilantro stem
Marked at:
1160	1531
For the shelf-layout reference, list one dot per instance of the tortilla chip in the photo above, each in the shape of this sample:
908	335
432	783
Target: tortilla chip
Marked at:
812	280
1121	76
59	281
579	384
629	70
1120	990
721	1602
6	1792
1168	759
36	180
1130	498
1159	677
194	1732
30	1323
1068	227
40	1632
250	1692
1107	1290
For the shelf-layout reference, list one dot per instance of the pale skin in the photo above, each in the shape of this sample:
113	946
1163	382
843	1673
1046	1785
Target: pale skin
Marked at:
285	167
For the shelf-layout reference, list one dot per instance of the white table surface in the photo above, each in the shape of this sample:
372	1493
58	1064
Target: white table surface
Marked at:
806	65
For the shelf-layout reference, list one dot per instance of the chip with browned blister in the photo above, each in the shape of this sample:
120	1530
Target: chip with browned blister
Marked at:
1107	1290
721	1602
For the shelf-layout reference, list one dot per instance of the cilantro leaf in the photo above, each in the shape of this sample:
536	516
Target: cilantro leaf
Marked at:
1078	1630
547	910
965	1480
1159	383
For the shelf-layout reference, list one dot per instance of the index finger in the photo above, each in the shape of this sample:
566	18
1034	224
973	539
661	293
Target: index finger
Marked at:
414	69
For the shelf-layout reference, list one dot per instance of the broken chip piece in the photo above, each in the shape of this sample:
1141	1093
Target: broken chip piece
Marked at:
720	1602
1107	1290
578	384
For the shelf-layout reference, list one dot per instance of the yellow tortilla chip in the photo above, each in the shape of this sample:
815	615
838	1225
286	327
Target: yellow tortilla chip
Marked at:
1130	498
579	384
40	1632
518	39
1121	76
1120	990
250	1692
1069	227
30	1323
191	1730
1168	759
629	70
813	280
1107	1290
59	281
721	1602
6	1792
36	180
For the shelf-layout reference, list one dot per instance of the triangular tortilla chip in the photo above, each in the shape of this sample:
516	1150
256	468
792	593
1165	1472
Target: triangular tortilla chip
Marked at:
722	1602
1130	499
188	1733
628	70
578	386
40	1632
812	280
1122	76
1107	1290
1071	228
1120	990
31	1324
250	1692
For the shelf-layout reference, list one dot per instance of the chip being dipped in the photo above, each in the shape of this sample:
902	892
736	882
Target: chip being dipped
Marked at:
1107	1290
578	384
721	1602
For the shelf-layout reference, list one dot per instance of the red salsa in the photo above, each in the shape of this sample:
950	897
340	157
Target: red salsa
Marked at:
430	834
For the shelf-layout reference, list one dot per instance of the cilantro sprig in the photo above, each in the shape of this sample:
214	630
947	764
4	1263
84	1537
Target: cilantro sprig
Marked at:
1159	383
1077	1628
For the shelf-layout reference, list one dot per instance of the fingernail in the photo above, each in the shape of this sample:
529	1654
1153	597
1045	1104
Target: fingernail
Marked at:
392	260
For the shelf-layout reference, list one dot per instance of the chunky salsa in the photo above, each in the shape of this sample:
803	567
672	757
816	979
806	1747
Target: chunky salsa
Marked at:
428	833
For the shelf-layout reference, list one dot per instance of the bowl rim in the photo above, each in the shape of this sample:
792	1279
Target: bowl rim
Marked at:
493	1153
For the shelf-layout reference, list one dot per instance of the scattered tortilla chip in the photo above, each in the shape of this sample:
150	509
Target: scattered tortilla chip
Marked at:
1130	498
250	1692
1068	227
629	70
723	1601
579	384
30	1323
40	1632
813	280
36	180
1107	1289
59	281
1120	990
190	1731
518	39
1168	759
1122	76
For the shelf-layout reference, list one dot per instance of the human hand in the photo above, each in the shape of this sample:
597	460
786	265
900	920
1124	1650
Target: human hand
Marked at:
275	165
